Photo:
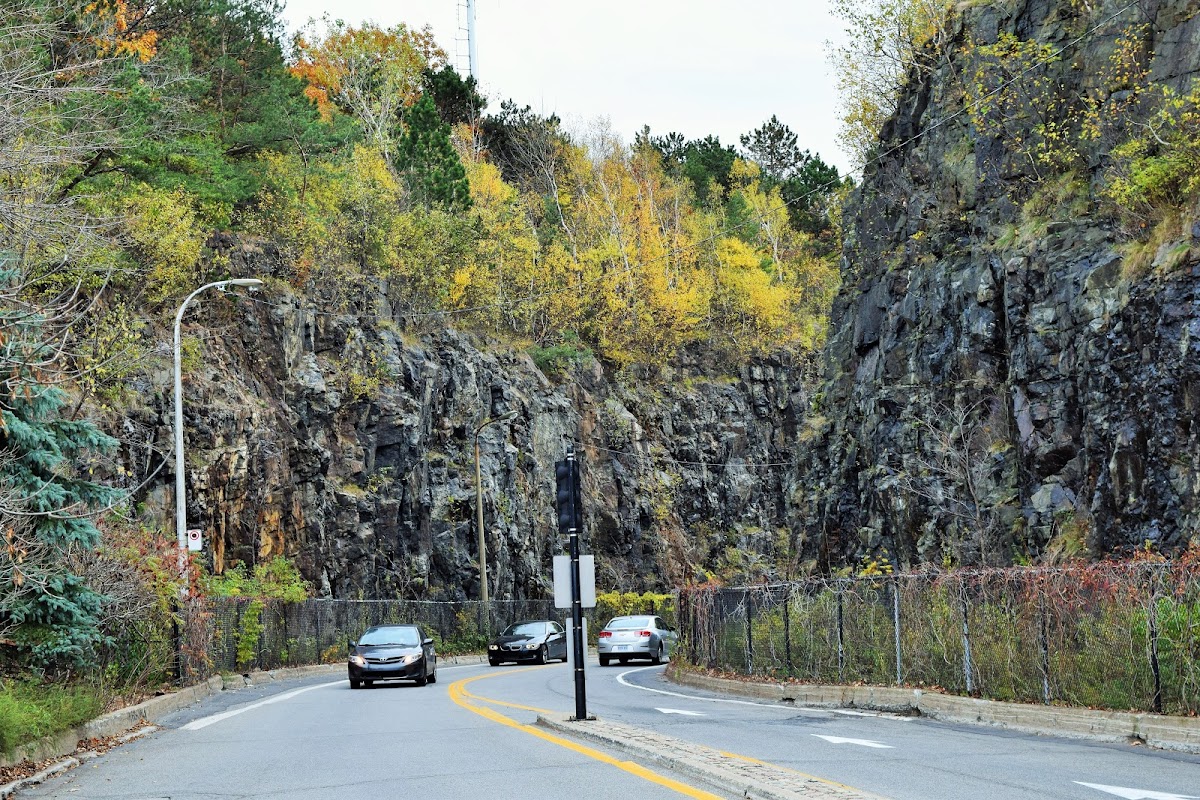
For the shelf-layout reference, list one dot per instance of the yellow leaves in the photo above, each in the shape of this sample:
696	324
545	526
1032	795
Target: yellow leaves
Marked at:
370	73
164	229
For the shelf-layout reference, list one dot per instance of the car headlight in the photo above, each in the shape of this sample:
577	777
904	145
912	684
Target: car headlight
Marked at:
358	661
532	646
410	659
493	647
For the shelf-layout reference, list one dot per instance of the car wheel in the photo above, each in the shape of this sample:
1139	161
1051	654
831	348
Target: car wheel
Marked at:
604	661
495	662
542	656
355	684
623	659
564	658
657	658
433	677
422	679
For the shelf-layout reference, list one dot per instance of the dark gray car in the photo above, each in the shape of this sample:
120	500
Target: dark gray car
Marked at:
392	652
640	636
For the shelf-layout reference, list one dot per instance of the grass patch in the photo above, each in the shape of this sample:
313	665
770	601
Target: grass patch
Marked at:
30	710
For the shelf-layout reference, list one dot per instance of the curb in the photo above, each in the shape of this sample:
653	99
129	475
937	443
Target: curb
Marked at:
154	709
1181	734
755	779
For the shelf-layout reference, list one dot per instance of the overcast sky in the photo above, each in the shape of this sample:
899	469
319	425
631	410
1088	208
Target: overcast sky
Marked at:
698	67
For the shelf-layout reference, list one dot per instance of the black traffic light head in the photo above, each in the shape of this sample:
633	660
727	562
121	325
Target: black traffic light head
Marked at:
566	495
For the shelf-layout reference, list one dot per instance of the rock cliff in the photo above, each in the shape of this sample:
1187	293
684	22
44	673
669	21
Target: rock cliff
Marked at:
346	442
1006	379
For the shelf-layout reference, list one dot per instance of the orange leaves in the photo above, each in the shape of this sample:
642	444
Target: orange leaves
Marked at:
117	30
370	73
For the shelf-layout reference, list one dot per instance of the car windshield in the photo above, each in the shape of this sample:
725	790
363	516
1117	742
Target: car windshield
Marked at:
404	637
525	629
625	623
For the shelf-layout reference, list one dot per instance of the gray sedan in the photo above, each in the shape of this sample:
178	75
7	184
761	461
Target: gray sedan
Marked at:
624	638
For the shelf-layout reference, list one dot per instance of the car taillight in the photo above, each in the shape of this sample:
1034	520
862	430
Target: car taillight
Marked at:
645	634
605	634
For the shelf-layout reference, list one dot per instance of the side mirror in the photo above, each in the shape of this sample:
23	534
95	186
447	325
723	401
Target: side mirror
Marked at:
351	644
426	642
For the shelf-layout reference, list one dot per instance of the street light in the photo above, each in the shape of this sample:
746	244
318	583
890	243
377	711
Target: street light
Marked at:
483	582
180	491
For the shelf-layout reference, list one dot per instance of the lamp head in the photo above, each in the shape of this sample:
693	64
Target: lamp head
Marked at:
507	416
250	283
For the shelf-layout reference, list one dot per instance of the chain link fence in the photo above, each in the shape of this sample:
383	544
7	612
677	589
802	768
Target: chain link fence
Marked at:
236	635
226	635
1117	636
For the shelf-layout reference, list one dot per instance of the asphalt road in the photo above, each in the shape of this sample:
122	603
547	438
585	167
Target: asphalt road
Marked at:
471	735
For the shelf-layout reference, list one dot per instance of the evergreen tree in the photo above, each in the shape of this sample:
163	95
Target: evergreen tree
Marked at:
428	161
45	500
805	181
456	98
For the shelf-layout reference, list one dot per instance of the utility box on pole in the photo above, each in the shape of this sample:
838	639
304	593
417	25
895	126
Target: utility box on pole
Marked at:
570	520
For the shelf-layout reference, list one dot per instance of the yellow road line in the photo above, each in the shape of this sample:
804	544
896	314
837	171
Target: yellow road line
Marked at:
460	696
493	701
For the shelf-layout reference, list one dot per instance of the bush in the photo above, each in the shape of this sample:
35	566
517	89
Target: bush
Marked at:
30	710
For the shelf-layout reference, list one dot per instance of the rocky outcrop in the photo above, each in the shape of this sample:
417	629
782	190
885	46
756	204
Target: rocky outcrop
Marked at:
346	442
1001	387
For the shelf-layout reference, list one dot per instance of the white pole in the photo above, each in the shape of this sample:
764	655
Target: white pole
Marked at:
180	489
472	56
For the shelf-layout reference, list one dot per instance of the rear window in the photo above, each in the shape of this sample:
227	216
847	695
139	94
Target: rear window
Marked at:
625	623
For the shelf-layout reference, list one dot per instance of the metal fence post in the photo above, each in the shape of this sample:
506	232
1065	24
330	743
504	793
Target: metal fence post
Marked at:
1152	617
749	598
966	637
841	645
896	627
1044	644
787	629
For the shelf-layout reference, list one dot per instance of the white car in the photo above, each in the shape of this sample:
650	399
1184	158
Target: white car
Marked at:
641	636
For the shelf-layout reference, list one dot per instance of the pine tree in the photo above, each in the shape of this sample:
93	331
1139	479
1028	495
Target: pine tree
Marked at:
428	161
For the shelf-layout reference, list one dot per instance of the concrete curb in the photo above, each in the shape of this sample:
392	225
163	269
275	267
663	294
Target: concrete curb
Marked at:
754	779
1181	734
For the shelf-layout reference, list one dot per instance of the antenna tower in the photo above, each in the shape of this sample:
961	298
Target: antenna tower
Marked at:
465	60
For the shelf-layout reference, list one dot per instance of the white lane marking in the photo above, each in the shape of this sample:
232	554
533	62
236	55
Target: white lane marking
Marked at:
204	722
679	711
777	706
621	680
1137	794
859	742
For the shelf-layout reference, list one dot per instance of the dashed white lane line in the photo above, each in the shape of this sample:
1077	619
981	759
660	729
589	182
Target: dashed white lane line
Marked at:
790	709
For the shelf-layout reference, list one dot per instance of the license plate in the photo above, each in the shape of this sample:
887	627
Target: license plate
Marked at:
621	647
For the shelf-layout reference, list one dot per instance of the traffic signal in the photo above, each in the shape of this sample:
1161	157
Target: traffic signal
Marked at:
566	496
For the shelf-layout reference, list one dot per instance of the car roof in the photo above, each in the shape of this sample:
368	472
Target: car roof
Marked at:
393	625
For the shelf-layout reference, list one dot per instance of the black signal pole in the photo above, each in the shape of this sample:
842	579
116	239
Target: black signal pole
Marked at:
567	500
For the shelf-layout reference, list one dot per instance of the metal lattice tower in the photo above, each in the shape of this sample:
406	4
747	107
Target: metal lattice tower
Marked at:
465	59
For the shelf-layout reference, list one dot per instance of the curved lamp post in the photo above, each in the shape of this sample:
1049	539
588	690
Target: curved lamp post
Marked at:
483	581
180	490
